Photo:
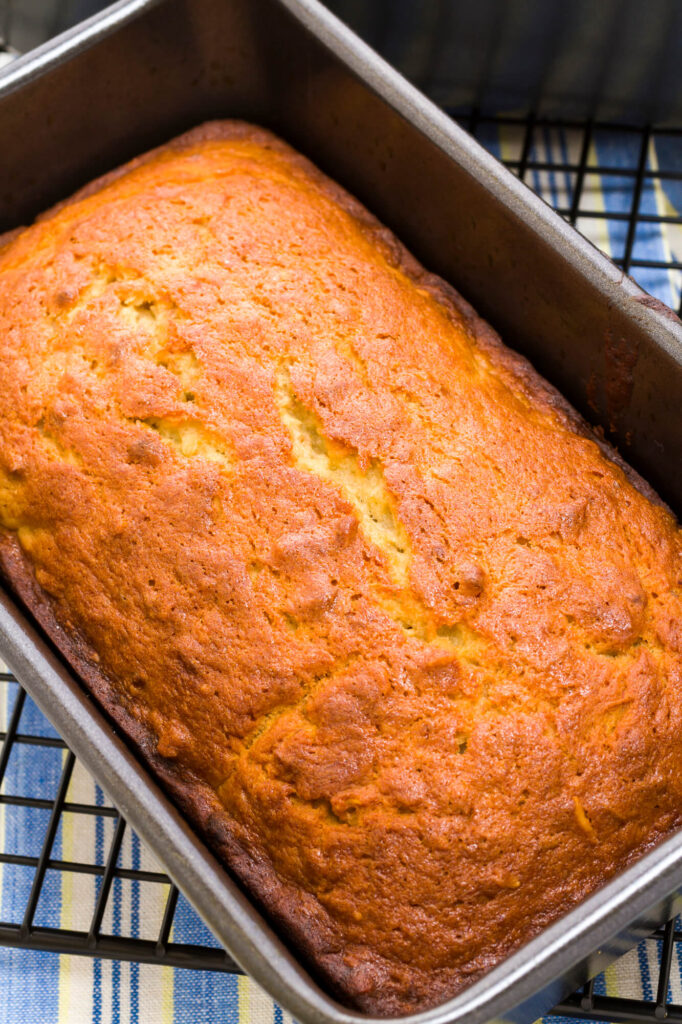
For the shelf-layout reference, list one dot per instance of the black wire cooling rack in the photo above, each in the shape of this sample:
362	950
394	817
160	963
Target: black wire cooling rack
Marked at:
95	940
565	151
587	1004
530	155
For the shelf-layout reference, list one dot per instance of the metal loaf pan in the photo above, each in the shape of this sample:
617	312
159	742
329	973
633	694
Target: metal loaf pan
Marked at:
145	70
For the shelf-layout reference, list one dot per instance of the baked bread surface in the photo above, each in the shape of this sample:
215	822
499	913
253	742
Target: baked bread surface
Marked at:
402	637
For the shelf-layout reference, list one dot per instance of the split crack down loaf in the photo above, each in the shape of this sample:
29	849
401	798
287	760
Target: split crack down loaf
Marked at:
398	632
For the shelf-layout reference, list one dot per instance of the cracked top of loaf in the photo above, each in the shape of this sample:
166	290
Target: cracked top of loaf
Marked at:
402	636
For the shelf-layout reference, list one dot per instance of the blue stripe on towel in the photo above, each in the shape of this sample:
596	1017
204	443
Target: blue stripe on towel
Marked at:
30	988
99	859
621	150
203	995
116	964
643	961
135	931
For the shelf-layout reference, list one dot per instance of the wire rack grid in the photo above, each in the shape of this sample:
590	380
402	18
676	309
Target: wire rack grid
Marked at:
33	829
621	185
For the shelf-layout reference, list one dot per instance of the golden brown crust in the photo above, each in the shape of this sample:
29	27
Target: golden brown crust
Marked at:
399	633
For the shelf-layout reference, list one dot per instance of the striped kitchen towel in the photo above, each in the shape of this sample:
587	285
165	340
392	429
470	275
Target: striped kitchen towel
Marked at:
44	987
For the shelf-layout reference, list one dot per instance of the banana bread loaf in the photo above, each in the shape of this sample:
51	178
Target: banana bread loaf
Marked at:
399	633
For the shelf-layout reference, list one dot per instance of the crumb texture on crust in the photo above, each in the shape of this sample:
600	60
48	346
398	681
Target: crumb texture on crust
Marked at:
406	638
